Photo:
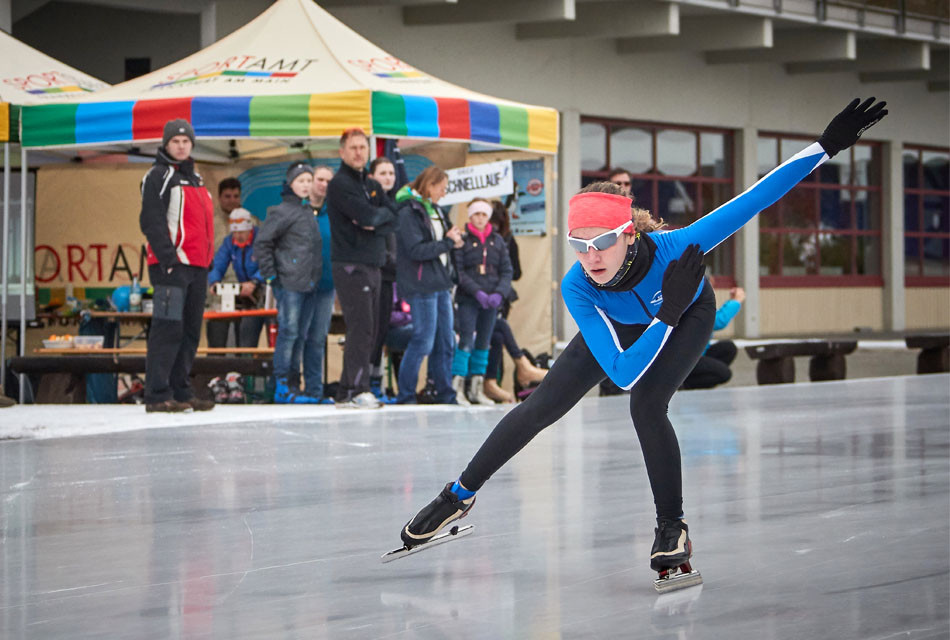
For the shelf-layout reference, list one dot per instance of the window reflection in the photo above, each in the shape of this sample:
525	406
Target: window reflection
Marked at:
593	146
632	149
676	153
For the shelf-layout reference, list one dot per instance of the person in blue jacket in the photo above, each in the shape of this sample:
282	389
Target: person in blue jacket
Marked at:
713	366
645	313
237	249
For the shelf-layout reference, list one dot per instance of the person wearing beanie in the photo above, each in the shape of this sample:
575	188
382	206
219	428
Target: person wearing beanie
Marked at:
177	218
485	271
645	313
237	251
289	250
178	127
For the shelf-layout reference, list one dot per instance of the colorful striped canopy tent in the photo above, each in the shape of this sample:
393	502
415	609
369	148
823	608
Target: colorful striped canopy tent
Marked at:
28	76
293	73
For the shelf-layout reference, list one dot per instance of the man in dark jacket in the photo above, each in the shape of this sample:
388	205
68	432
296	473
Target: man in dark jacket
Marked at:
177	219
288	250
360	218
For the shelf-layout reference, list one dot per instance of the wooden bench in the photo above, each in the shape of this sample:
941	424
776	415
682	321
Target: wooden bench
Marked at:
61	377
934	356
776	364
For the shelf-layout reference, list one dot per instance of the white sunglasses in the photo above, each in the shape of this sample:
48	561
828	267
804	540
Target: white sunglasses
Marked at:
601	242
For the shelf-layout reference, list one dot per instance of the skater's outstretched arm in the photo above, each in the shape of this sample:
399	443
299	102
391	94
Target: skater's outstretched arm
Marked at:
842	132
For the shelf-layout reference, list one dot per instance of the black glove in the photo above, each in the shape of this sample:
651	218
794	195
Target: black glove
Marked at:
680	282
846	127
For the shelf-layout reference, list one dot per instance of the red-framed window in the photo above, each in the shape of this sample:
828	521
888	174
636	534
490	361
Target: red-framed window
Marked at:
926	216
827	230
678	173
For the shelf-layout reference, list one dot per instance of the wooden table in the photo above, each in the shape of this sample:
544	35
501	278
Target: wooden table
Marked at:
128	351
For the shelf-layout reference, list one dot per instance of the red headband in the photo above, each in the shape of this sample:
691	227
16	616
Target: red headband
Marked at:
594	209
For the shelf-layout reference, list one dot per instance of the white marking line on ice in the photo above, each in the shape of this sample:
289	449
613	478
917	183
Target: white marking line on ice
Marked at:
250	560
85	586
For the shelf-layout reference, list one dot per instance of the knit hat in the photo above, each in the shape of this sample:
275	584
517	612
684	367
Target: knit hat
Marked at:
240	220
177	127
595	209
296	168
479	206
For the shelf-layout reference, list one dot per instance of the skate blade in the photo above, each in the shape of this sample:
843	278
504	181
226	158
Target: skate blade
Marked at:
454	533
677	581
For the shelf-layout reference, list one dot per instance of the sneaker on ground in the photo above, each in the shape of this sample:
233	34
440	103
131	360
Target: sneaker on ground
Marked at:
199	404
167	406
365	400
219	390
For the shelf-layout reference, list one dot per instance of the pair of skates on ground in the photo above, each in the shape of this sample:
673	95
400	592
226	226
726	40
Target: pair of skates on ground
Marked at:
670	556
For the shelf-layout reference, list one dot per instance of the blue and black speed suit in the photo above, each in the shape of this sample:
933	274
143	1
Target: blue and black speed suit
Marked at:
621	338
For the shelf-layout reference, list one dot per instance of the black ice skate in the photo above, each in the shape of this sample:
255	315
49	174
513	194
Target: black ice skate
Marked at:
422	531
672	549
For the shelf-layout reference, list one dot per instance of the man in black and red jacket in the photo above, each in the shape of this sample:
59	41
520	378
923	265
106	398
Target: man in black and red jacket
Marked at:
178	221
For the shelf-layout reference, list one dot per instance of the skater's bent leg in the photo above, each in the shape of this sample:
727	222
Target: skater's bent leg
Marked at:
649	401
573	374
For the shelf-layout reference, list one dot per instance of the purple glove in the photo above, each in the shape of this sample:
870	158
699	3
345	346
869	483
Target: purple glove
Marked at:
495	300
483	299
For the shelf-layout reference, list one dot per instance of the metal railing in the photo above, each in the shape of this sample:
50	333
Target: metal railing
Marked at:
936	12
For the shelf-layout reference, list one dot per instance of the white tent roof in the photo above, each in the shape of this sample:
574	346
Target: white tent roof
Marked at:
28	76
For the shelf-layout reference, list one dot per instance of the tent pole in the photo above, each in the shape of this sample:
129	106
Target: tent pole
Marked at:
556	251
4	241
23	168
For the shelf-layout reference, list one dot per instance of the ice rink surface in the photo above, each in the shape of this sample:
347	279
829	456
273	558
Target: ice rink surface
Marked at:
816	510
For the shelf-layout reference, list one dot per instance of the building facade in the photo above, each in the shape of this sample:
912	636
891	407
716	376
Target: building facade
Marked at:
696	99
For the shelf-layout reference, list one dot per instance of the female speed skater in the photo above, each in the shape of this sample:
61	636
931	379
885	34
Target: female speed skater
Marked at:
645	313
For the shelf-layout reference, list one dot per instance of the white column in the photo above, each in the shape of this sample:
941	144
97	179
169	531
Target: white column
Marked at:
3	268
23	257
568	183
892	235
747	239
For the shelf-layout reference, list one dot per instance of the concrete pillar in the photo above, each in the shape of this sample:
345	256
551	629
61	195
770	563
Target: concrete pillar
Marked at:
569	182
209	24
221	17
6	16
747	239
892	235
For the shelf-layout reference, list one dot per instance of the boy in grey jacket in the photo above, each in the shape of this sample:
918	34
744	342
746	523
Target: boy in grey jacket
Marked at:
288	250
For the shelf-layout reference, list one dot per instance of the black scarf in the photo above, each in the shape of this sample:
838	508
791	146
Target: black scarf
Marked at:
635	266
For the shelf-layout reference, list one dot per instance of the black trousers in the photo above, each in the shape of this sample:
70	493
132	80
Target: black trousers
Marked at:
576	371
357	289
501	337
247	331
713	366
175	330
382	322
